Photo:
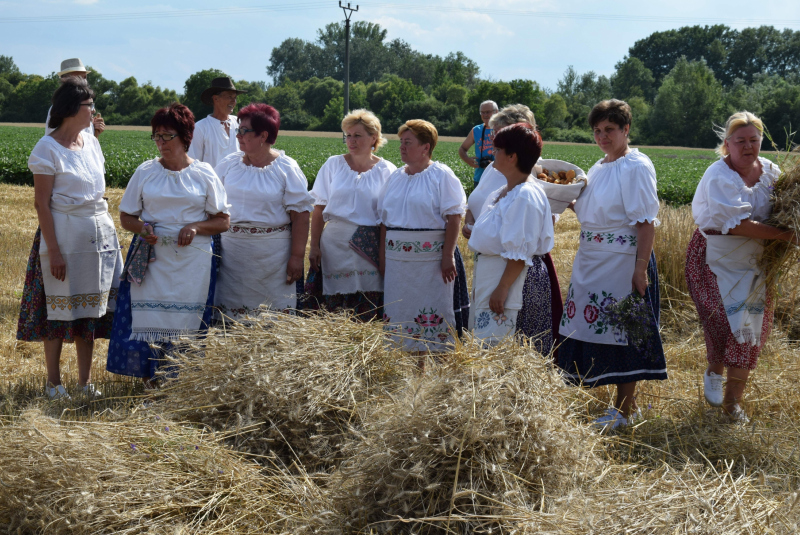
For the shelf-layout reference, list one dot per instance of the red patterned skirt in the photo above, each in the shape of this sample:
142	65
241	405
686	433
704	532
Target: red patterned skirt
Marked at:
721	346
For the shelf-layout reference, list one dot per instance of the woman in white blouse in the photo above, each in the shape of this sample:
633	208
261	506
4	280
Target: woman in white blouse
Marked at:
420	210
175	204
513	233
72	277
344	252
617	212
731	202
264	249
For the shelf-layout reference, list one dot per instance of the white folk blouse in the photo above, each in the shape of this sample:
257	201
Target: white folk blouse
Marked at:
722	200
423	200
158	195
264	195
491	181
210	144
348	195
517	227
79	174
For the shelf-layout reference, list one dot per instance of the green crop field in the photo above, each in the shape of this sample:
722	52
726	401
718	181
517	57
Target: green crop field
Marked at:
678	170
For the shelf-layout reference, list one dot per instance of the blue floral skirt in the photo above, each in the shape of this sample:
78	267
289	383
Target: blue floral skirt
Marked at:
590	364
136	358
535	318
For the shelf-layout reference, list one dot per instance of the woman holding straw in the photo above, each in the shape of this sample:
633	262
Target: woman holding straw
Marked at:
73	269
617	212
419	211
512	234
344	237
264	249
732	201
175	204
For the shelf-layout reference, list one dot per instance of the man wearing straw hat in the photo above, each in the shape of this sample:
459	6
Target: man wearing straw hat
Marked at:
215	136
74	67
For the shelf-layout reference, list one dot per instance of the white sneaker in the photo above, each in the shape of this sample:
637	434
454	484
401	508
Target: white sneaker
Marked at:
712	388
738	415
610	420
90	391
56	393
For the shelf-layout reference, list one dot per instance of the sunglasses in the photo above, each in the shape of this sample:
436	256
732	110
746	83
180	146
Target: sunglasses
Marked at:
242	131
163	137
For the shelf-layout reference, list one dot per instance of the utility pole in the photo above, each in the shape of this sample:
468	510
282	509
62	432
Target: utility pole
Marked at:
348	12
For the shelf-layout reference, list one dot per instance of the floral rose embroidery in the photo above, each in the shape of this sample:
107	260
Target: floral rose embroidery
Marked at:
426	246
590	313
391	243
571	309
598	238
606	303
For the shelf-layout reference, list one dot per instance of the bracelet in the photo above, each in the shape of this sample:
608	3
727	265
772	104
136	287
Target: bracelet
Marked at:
642	260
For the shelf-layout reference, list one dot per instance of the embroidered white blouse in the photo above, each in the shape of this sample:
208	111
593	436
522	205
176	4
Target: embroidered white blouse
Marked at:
210	144
264	195
619	194
722	200
158	195
47	130
347	195
79	174
491	180
423	200
517	227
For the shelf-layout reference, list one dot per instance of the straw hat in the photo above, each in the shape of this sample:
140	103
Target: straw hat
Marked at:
72	65
218	85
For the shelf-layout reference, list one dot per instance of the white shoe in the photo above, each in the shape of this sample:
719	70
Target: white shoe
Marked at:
712	388
90	391
738	415
610	420
56	393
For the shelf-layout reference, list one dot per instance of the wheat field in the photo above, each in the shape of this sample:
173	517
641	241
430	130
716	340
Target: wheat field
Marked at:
311	425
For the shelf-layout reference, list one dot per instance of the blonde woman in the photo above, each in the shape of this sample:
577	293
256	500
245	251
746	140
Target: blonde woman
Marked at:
731	202
344	237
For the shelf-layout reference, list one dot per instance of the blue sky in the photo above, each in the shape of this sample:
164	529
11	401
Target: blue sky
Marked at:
165	42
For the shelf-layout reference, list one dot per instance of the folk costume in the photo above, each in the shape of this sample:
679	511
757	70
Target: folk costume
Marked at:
619	194
211	142
724	281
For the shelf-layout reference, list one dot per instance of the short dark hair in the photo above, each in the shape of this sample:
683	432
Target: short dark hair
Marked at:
614	111
524	141
263	118
177	117
67	100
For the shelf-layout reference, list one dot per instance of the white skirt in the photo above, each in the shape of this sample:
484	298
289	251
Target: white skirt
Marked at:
344	270
487	325
253	272
418	304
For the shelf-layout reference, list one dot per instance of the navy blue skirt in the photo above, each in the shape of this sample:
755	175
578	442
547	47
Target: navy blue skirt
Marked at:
590	364
136	358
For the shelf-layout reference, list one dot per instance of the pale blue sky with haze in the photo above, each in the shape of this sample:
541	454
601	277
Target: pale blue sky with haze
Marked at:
165	42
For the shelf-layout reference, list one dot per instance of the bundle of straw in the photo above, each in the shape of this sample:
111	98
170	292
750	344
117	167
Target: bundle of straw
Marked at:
465	446
288	385
142	475
780	256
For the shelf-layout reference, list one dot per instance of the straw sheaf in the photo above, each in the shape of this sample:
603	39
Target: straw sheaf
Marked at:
142	475
465	446
285	384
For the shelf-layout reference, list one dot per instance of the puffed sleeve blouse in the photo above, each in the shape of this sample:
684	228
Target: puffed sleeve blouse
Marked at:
619	194
491	180
423	200
79	175
722	199
264	195
348	195
517	227
158	195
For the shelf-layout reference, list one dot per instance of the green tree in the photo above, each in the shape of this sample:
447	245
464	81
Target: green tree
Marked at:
287	100
194	87
555	112
632	79
387	97
30	99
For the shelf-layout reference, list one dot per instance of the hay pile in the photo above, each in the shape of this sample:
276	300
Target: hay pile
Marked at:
465	446
141	475
779	256
290	385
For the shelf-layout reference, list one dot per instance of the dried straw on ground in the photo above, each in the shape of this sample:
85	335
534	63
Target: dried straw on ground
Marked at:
290	385
779	256
465	445
143	475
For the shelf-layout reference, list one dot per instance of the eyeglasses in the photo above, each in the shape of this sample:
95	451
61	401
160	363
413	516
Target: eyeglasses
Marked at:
163	137
242	131
90	104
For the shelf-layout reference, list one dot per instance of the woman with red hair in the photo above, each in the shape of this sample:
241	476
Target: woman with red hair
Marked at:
264	249
175	204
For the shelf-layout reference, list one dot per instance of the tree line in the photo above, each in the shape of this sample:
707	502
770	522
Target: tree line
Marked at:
678	83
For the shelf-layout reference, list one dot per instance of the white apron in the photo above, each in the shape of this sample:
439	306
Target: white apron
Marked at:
88	243
418	304
253	271
602	274
734	260
485	324
172	298
344	270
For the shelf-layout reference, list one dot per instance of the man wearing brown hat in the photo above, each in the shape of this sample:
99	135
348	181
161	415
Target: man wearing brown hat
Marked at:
215	136
74	67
